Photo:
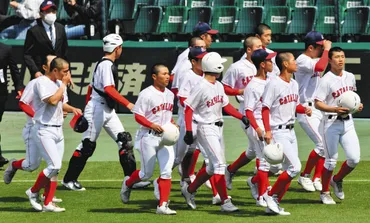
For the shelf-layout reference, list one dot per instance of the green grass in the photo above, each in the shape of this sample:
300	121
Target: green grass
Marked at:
101	201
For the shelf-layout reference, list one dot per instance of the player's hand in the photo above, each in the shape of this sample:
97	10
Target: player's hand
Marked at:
268	137
188	138
327	45
158	129
77	111
14	4
130	106
19	94
38	74
308	111
241	91
341	110
67	79
360	108
260	133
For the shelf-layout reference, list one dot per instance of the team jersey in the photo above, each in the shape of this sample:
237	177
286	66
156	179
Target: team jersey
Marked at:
275	70
307	78
207	100
27	98
156	106
282	99
190	80
45	113
182	59
238	76
332	86
103	77
253	97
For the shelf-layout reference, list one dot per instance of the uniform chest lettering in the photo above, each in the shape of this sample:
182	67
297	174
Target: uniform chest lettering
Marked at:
246	80
341	90
288	99
163	107
215	100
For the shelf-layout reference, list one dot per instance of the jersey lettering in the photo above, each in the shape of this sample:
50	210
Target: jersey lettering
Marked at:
162	107
246	80
341	91
214	100
289	98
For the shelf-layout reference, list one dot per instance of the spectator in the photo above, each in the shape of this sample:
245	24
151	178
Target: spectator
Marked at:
26	12
82	13
46	37
7	59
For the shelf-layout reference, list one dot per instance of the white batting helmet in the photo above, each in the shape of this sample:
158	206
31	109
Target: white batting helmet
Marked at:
170	134
212	63
273	153
350	100
111	41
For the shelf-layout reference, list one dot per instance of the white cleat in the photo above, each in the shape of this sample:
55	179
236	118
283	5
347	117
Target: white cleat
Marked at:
34	200
317	184
306	183
253	187
189	198
326	198
9	172
164	209
51	207
125	191
217	199
55	199
156	189
73	185
260	202
271	202
338	188
281	212
228	206
140	185
229	179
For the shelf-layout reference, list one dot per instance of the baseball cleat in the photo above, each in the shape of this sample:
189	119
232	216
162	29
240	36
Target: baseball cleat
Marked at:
51	207
189	197
281	212
254	188
156	189
125	191
3	161
164	209
179	169
326	198
55	199
229	179
338	188
9	172
34	200
306	183
271	202
260	202
73	185
228	206
140	185
317	184
217	199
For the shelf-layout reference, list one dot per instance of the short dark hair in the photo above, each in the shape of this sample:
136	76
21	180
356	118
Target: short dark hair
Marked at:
45	59
155	68
57	63
314	45
280	58
261	28
334	49
193	40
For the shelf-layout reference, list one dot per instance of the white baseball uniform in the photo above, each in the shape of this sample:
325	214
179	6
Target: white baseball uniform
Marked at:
308	80
253	95
207	100
33	157
275	69
156	106
335	130
179	66
282	99
47	132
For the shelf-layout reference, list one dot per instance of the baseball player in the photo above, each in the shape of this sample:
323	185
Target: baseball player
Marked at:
100	112
235	80
264	33
281	101
308	77
152	110
253	106
51	99
338	127
206	102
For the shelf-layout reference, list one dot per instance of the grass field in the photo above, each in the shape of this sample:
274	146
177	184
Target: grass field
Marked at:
101	201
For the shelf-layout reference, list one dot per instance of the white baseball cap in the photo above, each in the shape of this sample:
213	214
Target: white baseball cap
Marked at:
111	41
212	63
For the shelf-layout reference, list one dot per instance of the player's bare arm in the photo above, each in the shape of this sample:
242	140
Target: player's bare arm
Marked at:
326	108
54	99
71	109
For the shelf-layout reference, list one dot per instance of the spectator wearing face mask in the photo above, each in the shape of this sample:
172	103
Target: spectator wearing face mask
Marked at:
46	37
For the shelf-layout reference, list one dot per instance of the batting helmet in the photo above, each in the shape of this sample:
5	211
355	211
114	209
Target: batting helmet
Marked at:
79	123
212	63
111	41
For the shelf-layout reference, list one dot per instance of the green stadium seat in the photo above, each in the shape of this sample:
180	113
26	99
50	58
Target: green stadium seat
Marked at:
248	20
300	3
217	3
62	15
223	18
277	18
303	20
197	14
353	3
269	3
166	3
248	3
148	21
174	19
120	10
326	21
145	2
356	20
322	3
198	3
